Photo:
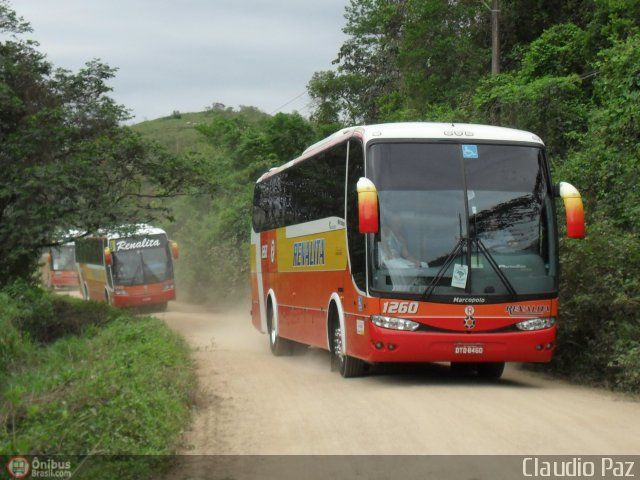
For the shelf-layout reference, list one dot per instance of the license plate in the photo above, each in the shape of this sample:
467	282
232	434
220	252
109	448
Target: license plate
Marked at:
468	349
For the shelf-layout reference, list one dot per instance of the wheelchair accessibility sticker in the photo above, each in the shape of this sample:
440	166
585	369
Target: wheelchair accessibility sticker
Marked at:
469	151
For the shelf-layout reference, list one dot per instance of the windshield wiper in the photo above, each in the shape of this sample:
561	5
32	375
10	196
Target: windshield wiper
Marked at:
495	267
450	258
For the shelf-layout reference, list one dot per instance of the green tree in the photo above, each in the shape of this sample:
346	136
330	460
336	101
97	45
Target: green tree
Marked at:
66	159
215	231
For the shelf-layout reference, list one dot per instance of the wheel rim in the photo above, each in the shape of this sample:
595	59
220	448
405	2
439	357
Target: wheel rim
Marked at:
272	335
337	345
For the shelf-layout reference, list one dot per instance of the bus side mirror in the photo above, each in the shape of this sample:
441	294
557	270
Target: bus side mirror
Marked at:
574	210
175	251
367	206
108	259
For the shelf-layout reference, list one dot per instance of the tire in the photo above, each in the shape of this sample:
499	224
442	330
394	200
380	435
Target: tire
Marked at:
490	371
85	292
349	367
279	346
162	307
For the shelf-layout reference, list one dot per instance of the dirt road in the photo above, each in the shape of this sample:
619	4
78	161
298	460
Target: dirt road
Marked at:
254	403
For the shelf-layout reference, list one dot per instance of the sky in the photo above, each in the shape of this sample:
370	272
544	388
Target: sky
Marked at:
187	54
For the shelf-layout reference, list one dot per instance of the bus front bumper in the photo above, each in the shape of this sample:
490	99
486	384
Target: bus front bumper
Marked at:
387	345
142	299
64	280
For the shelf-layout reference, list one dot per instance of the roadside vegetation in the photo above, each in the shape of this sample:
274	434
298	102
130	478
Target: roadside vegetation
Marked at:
213	231
82	378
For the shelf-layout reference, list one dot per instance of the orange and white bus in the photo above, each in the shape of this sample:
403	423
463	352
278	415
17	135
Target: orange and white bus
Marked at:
58	267
412	242
133	270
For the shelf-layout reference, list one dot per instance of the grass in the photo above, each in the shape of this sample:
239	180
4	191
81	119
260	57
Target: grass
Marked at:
178	133
122	386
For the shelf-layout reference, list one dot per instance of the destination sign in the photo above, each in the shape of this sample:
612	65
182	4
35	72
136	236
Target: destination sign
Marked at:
136	243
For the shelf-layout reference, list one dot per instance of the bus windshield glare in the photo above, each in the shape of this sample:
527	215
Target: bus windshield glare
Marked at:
487	209
146	265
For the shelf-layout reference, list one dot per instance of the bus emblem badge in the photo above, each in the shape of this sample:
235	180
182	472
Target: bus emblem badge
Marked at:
469	319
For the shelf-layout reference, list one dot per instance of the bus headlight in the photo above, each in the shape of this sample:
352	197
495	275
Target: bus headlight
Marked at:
394	323
120	291
168	286
536	323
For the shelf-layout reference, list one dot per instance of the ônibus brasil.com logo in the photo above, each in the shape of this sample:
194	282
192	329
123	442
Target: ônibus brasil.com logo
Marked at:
21	467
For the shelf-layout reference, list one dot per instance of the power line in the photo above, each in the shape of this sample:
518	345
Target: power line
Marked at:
287	103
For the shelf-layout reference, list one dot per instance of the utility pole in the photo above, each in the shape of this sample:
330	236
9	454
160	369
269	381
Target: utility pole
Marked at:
495	37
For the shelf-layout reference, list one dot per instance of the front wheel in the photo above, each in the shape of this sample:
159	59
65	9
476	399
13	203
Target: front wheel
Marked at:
279	346
162	307
349	367
492	371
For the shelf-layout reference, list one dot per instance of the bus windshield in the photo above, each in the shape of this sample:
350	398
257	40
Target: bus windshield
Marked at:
459	220
63	258
135	263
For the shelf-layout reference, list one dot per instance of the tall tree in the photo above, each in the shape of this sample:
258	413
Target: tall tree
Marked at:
66	160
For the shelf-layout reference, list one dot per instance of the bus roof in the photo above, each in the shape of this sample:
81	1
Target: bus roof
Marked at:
141	229
463	132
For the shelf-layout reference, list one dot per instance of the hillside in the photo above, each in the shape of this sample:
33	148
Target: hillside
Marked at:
177	132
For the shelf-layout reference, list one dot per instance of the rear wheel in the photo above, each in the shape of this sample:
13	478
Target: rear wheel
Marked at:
491	371
279	346
349	367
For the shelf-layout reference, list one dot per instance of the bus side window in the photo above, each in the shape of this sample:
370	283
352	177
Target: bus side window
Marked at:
355	239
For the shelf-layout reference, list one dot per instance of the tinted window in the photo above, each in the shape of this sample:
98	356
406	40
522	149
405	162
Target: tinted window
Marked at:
90	250
142	265
310	190
63	258
423	216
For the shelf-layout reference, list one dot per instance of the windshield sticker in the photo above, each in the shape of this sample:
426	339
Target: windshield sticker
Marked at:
136	244
470	151
459	277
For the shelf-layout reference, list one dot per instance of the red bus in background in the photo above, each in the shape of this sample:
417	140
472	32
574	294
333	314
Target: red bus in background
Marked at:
412	242
133	270
58	267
